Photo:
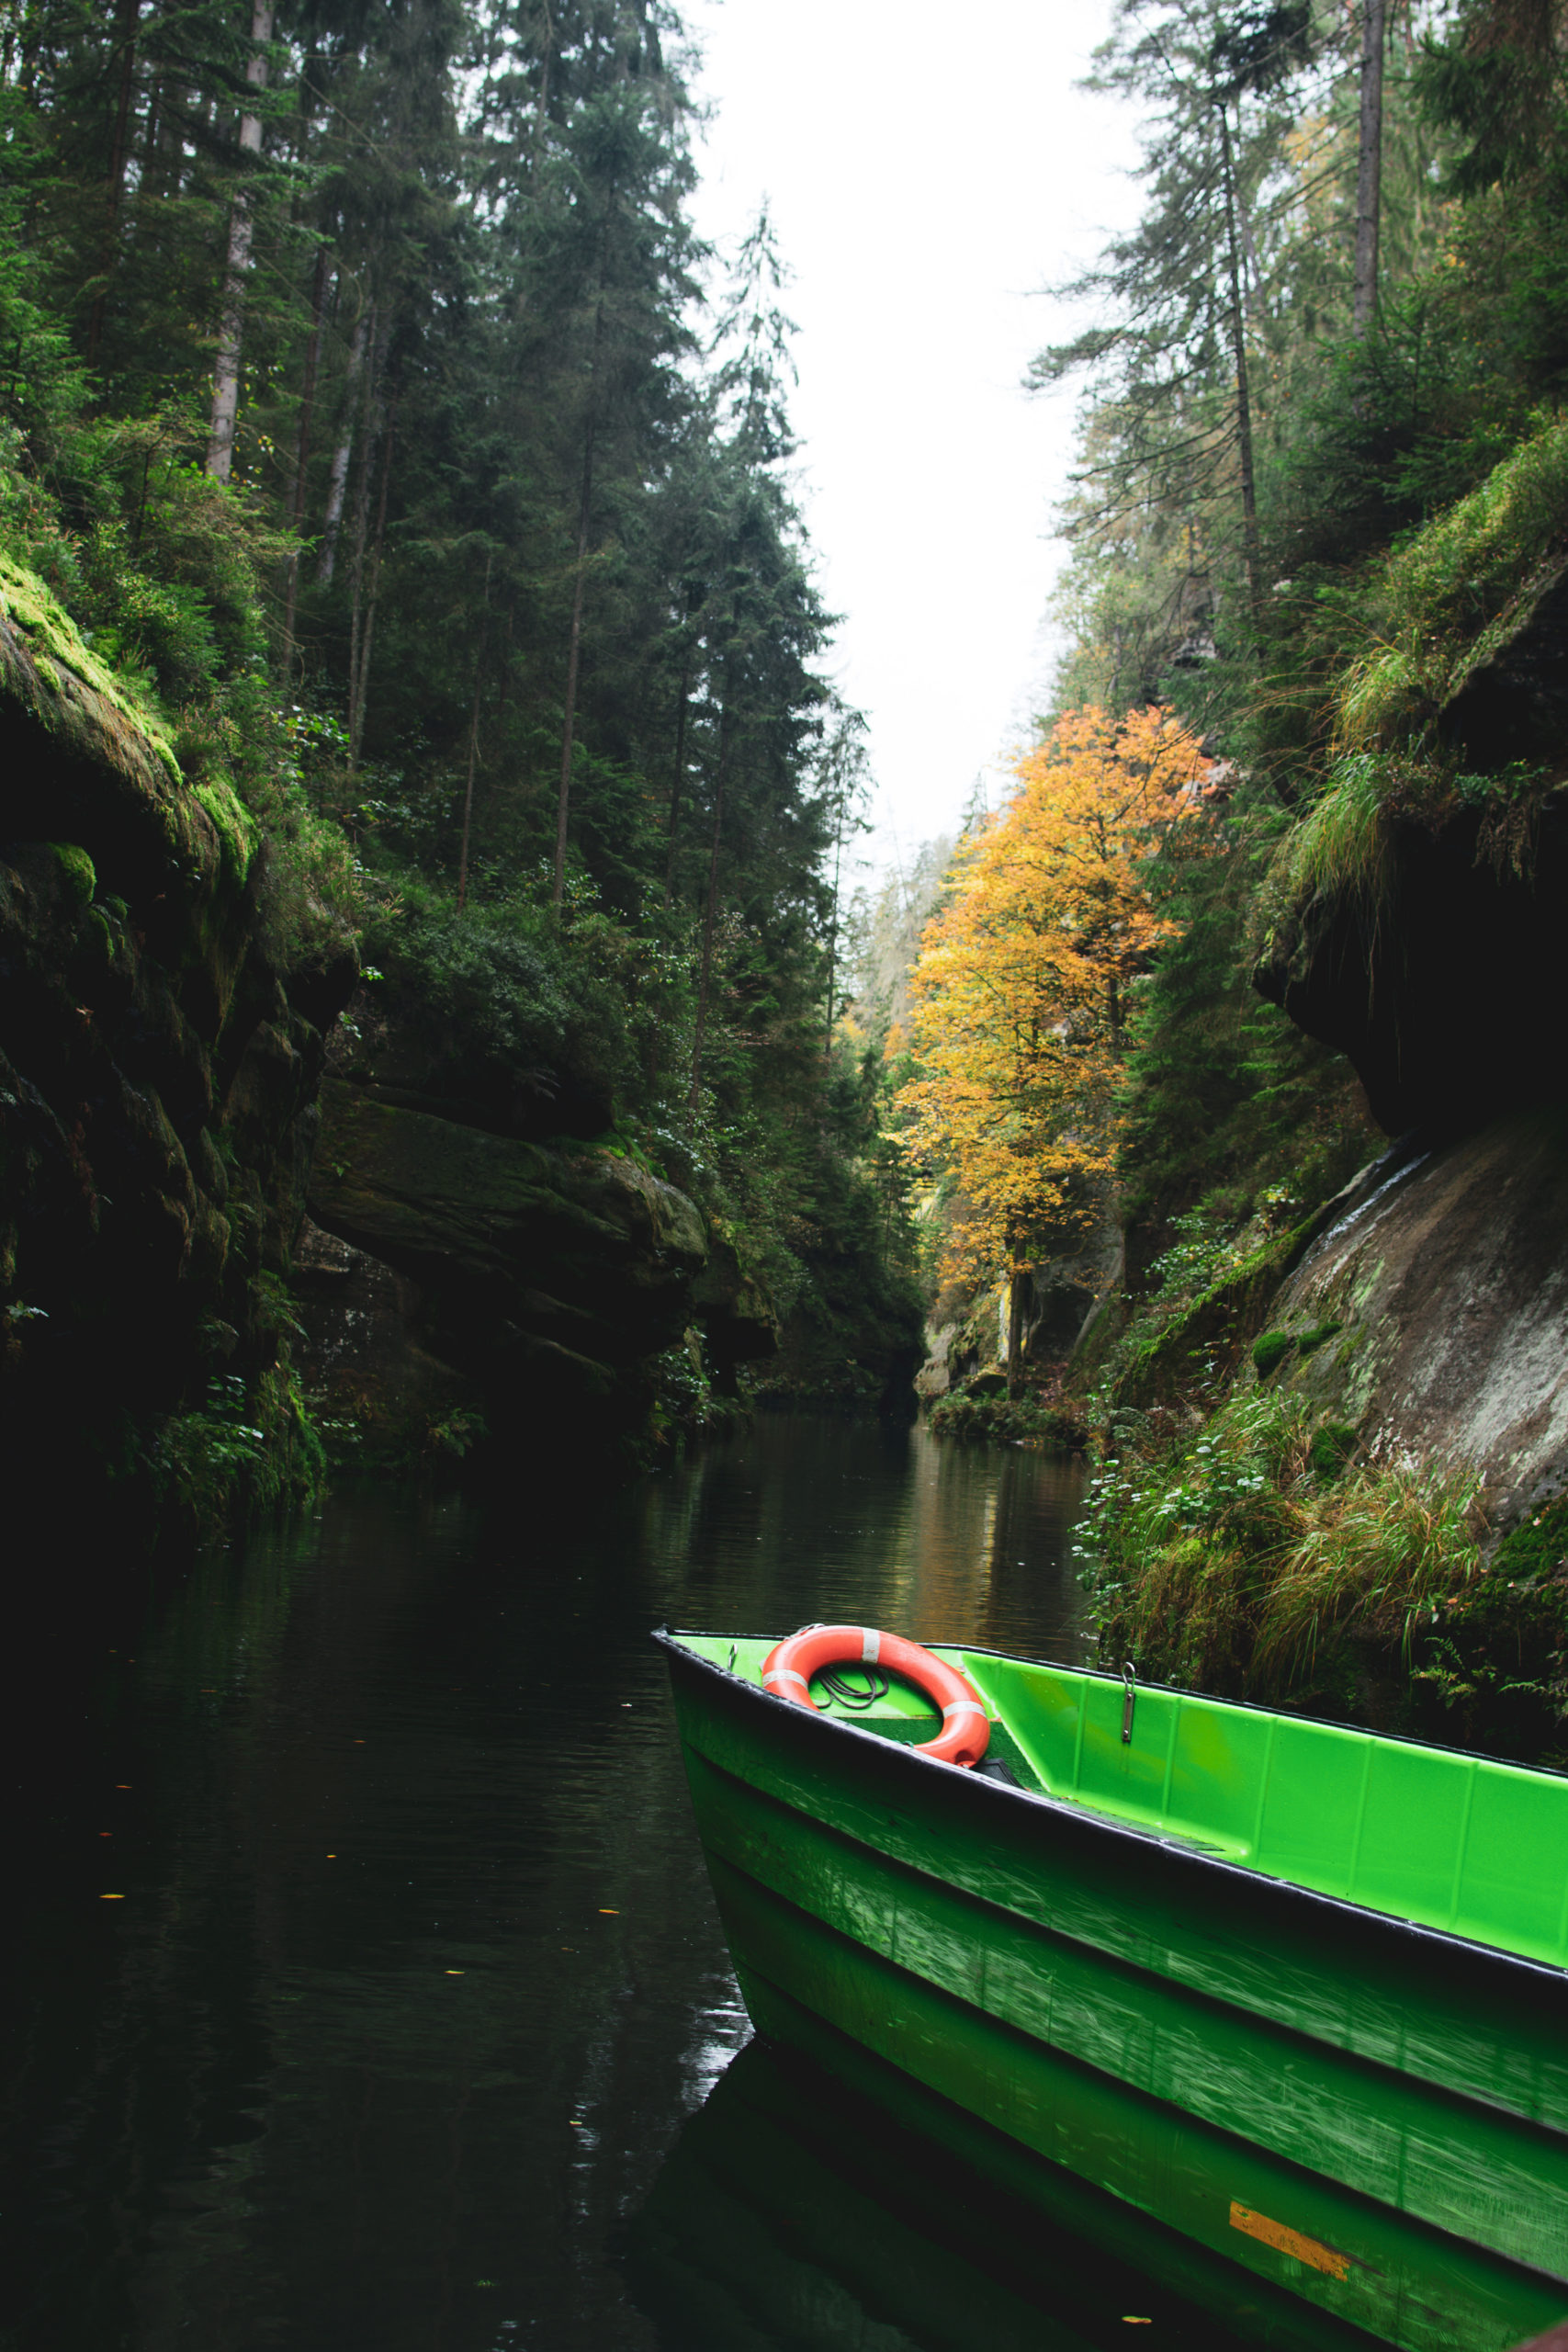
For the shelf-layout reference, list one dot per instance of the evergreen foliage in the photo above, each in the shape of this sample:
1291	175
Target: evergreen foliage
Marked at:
492	619
1409	519
1319	518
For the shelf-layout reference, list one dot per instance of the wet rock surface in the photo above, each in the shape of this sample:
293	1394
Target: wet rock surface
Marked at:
1432	1315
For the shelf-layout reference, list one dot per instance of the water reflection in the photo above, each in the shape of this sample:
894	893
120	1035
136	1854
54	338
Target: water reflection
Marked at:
943	1542
791	2214
414	1977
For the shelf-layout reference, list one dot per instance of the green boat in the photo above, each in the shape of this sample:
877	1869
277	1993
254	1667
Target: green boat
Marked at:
1293	1991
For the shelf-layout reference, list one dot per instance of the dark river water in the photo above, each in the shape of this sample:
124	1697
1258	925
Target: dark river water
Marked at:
362	1978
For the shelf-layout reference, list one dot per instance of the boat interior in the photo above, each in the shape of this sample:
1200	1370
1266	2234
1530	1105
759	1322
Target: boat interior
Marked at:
1467	1844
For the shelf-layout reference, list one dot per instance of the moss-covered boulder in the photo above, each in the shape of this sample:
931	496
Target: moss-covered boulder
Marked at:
82	760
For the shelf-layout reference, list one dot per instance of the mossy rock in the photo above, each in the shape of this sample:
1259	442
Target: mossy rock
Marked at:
77	745
1270	1350
546	1271
45	662
77	871
1455	594
1206	1343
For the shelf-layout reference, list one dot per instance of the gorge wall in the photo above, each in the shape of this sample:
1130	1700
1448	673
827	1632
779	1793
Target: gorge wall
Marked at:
479	1285
161	1035
176	1091
1435	1309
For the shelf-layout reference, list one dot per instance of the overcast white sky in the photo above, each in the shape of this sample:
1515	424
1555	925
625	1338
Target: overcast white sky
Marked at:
928	168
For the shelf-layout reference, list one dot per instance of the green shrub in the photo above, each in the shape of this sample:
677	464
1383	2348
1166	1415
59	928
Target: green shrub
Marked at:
1492	1662
245	1449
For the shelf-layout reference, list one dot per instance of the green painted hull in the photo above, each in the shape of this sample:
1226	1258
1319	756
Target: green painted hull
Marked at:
1111	1971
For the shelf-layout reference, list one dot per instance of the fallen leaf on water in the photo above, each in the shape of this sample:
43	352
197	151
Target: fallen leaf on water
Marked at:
456	1972
112	1898
606	1910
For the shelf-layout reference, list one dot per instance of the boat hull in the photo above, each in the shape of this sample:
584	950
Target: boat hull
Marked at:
797	2187
1367	2115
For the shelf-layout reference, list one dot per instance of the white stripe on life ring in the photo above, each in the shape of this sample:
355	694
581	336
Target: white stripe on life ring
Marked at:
870	1645
965	1707
785	1674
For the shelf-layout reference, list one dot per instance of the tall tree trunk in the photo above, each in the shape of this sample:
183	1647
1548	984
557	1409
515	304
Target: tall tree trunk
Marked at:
1017	1270
1253	276
473	755
242	223
1368	167
127	17
710	914
368	436
833	931
337	484
542	111
359	687
676	787
575	651
1238	346
151	183
469	795
302	454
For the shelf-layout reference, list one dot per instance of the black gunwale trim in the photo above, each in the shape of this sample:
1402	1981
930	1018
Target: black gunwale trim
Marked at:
895	1759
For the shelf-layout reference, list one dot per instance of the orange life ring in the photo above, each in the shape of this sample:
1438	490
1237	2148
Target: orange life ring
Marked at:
788	1667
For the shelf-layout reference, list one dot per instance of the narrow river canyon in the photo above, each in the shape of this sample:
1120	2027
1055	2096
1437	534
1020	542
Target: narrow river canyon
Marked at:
371	1991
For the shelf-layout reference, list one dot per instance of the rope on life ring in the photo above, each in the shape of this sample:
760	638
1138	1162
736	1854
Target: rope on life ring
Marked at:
788	1669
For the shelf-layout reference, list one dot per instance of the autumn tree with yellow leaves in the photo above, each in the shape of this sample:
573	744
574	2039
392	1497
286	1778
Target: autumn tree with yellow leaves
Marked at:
1020	993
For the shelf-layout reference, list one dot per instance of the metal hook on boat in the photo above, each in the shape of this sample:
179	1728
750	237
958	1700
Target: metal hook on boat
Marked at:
1129	1683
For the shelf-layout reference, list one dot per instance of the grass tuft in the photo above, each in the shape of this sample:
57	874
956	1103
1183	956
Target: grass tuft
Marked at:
1244	1560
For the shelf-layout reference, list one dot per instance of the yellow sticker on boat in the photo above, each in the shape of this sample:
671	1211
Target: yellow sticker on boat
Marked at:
1284	2240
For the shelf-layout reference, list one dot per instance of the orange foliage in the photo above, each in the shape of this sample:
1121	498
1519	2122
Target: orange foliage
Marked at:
1020	989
